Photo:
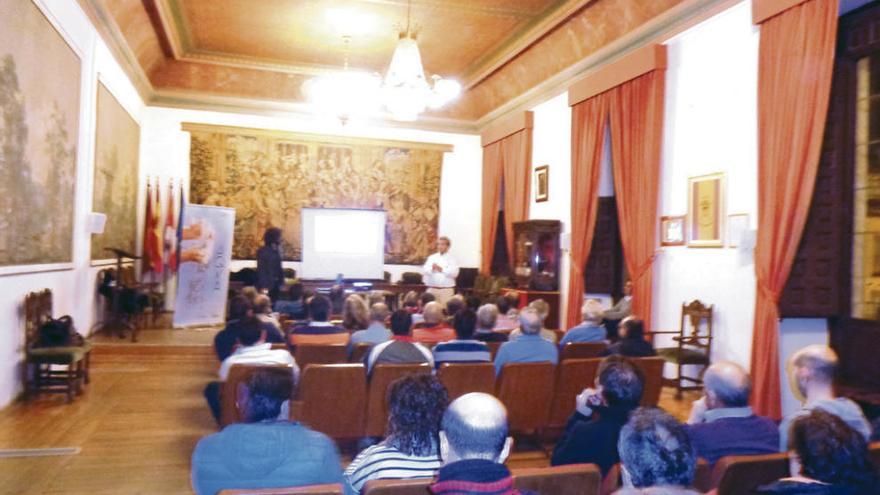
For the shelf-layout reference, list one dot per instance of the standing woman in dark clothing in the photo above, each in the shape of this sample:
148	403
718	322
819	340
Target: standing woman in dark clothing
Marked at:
269	274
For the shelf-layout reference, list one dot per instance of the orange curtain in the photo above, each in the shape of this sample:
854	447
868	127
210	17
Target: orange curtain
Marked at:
588	120
795	67
636	123
491	190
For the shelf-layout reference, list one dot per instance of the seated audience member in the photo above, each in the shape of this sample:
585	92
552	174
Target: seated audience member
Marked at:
267	450
513	303
355	314
543	310
655	452
253	349
376	332
337	299
401	349
593	430
632	341
263	311
812	371
474	445
318	330
464	349
376	297
529	347
826	457
487	317
590	329
722	423
433	329
251	293
411	448
293	306
504	322
614	316
240	309
455	304
423	300
472	302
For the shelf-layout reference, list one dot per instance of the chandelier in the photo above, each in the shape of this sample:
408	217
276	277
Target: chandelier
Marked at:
404	92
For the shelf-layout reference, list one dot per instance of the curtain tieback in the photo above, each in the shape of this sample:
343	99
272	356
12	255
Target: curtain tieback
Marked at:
765	292
642	269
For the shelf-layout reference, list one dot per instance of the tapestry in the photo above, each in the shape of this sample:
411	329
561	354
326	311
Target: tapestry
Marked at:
116	176
269	176
39	118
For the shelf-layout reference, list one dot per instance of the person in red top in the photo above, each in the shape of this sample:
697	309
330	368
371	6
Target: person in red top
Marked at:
434	329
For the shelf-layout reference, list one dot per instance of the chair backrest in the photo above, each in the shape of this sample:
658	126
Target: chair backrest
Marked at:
306	354
463	378
332	399
398	487
652	369
238	373
611	481
37	310
742	474
493	348
583	350
377	393
526	389
874	453
328	489
573	479
696	326
572	377
359	351
703	476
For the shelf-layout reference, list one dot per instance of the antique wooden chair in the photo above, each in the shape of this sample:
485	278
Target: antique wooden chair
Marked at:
62	369
694	344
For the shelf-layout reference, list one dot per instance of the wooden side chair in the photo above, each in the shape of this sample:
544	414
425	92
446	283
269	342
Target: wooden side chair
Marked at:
694	344
377	393
583	350
229	412
463	378
331	399
652	369
306	354
51	369
572	377
573	479
328	489
742	474
526	389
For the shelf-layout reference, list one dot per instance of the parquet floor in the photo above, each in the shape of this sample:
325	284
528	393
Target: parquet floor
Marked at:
136	424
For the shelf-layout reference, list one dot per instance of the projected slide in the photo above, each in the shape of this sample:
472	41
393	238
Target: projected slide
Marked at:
350	242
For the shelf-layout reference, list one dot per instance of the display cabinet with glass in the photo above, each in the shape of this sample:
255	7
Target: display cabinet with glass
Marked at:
537	254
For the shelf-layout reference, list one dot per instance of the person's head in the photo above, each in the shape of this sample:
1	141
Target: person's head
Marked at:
443	244
411	301
591	312
628	288
415	406
240	307
319	308
824	448
295	291
727	384
251	293
379	312
376	296
487	316
401	322
250	332
355	314
472	302
262	304
426	298
632	328
530	322
465	322
433	313
655	450
541	307
454	305
620	382
272	237
812	368
503	304
262	395
474	426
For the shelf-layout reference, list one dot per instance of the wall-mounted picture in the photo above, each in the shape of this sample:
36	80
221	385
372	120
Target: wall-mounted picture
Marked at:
542	183
737	226
706	211
672	230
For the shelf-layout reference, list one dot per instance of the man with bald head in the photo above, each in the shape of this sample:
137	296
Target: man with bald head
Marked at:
722	423
433	328
530	347
473	447
811	371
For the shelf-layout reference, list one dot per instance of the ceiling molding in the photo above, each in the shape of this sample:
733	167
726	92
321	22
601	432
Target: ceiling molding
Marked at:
244	62
169	26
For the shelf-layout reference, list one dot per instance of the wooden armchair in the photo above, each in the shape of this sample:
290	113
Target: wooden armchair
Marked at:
694	340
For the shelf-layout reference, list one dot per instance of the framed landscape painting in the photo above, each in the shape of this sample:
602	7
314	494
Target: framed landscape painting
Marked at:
706	211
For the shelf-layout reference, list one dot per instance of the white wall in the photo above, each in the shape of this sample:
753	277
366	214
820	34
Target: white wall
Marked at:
73	288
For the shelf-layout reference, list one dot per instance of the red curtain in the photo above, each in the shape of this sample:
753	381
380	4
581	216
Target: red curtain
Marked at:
588	120
636	123
491	190
796	61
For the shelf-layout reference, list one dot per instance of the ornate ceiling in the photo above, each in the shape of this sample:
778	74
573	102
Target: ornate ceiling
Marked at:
253	55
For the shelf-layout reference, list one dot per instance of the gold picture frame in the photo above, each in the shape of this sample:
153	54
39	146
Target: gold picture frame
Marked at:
542	183
706	210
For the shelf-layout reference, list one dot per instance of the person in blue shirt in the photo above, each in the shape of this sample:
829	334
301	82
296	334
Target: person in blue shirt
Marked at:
464	349
530	347
590	329
376	332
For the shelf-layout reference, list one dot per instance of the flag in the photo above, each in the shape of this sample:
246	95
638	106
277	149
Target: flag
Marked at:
180	224
170	231
153	233
147	251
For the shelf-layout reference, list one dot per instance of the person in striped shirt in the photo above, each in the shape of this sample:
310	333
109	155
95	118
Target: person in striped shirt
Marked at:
464	349
416	404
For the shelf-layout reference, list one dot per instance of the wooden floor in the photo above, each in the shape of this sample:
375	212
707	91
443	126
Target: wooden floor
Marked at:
137	422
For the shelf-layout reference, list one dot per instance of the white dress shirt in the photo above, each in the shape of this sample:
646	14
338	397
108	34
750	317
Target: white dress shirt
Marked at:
444	278
260	354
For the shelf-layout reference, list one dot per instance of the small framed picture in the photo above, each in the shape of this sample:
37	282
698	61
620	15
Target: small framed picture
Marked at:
672	230
737	226
542	183
706	211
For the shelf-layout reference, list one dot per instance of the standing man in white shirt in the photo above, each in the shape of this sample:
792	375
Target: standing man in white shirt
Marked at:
440	272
